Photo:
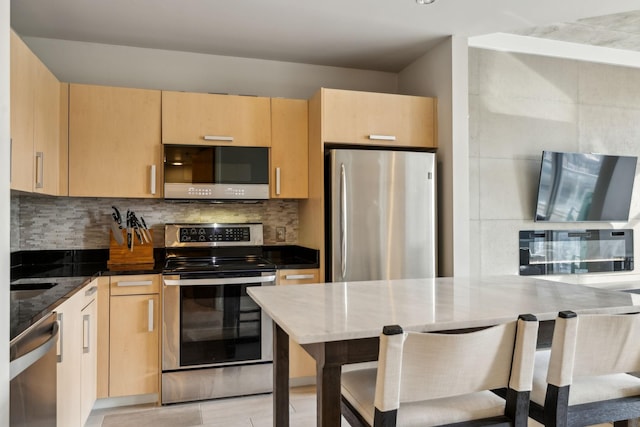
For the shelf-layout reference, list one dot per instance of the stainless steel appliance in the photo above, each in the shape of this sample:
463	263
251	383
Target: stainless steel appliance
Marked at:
217	342
216	172
381	214
33	375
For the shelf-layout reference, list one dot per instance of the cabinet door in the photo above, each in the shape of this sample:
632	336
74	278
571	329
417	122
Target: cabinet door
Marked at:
69	360
102	380
63	147
134	358
22	104
210	119
378	119
46	133
114	142
289	149
300	363
89	359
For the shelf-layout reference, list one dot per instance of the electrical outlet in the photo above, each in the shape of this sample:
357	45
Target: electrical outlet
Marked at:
281	233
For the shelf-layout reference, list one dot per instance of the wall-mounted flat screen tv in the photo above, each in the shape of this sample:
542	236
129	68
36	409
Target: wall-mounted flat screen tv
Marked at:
584	187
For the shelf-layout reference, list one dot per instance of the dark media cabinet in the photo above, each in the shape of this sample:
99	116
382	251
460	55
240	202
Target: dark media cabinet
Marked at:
575	251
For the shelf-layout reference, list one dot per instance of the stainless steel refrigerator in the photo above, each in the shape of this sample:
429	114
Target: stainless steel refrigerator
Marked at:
381	214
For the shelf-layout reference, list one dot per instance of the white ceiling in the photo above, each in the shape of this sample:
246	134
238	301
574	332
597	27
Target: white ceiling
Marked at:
383	35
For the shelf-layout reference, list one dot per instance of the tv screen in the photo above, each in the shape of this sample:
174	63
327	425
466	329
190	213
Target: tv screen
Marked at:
584	187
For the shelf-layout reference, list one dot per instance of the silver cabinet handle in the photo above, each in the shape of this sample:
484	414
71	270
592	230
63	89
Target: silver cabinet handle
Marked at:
382	137
86	337
298	276
19	365
150	313
136	283
39	169
343	219
152	180
92	290
224	281
218	138
277	181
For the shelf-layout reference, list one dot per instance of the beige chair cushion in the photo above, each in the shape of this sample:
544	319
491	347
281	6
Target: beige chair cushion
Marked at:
358	387
584	389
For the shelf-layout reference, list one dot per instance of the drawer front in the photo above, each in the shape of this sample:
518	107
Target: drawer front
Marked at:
135	284
298	277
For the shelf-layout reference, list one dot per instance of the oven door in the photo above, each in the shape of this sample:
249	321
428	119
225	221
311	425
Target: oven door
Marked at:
212	321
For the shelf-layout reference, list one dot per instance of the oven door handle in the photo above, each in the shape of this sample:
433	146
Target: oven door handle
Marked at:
219	281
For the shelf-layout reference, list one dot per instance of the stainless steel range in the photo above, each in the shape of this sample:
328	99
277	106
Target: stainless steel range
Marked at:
216	341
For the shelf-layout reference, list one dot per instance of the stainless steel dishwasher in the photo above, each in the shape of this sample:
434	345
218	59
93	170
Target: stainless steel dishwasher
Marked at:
33	375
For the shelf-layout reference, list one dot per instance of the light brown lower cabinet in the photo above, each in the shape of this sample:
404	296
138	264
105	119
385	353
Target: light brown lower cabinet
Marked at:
133	359
133	331
89	358
300	363
77	357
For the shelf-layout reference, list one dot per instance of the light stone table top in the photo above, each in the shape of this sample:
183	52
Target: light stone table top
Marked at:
350	310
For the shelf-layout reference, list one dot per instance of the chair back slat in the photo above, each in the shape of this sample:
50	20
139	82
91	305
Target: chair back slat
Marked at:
443	365
594	344
607	344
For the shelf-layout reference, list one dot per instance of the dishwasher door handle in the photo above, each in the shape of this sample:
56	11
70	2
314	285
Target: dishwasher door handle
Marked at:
17	366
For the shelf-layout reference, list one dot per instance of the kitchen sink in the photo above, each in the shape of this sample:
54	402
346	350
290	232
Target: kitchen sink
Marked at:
28	288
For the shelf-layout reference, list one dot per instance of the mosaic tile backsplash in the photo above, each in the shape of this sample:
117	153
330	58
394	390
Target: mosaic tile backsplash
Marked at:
42	222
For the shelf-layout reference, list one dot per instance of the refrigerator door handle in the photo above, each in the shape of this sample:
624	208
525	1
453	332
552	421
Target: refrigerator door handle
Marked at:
343	220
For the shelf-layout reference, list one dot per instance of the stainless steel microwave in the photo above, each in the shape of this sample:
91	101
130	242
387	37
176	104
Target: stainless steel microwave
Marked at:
216	172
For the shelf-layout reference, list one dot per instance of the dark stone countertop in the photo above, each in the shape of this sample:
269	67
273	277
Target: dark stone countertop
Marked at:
71	270
291	257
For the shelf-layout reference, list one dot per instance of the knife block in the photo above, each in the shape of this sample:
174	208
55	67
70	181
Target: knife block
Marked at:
142	253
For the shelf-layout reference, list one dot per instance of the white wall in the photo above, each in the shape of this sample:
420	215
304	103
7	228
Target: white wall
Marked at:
92	63
520	105
442	72
4	212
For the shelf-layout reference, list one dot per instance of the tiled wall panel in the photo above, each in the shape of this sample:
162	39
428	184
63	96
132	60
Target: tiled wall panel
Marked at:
521	105
84	223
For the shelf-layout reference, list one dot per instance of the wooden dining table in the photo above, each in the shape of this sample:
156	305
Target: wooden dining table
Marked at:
339	323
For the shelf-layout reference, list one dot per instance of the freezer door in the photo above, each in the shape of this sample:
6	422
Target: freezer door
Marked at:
383	215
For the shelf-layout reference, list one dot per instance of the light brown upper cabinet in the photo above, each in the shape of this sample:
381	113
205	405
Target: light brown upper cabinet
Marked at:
378	119
48	145
211	119
289	149
38	153
22	100
114	142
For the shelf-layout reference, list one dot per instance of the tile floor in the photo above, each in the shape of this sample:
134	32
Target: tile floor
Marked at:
250	411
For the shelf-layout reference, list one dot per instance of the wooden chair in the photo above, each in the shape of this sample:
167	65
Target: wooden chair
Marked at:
583	379
428	379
